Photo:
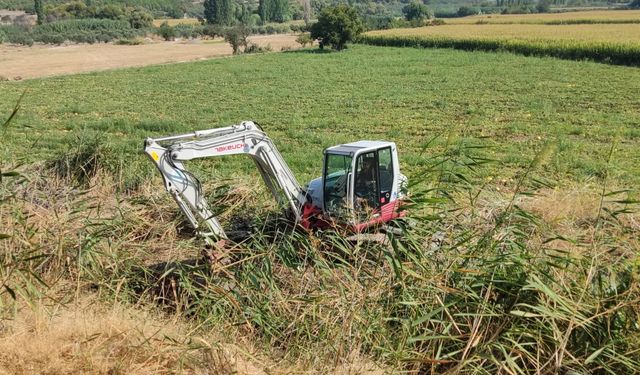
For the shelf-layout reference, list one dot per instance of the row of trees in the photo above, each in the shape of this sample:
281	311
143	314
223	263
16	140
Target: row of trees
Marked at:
273	10
226	12
137	17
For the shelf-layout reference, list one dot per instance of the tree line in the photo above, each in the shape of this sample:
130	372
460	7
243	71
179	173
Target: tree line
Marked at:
227	12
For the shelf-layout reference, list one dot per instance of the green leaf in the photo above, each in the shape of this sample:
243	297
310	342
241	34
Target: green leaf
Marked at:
14	112
594	355
4	236
524	314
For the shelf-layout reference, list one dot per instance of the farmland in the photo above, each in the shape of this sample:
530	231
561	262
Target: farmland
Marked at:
522	255
625	34
43	60
613	43
411	101
602	16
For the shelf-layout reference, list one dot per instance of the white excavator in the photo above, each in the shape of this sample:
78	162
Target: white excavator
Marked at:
361	186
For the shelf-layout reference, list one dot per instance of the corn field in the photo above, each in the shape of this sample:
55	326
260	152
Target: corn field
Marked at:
605	52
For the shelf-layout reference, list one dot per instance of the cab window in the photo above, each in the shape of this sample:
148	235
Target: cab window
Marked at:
366	183
337	169
385	167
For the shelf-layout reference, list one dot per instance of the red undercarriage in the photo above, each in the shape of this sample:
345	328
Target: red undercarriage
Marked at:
314	218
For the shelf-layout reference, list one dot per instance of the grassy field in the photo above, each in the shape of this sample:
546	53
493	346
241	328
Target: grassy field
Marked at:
408	95
595	16
521	253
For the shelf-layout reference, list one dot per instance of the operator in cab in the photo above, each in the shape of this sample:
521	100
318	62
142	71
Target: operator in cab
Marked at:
365	184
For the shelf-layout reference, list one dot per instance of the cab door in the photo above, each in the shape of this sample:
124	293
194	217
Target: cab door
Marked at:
366	188
385	173
373	183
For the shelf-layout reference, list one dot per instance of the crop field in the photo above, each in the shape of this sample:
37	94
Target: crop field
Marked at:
176	21
520	252
610	43
592	16
604	33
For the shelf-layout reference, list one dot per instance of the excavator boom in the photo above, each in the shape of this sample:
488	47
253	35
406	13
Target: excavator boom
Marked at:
169	153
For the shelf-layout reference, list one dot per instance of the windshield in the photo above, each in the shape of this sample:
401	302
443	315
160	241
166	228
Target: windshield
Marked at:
337	168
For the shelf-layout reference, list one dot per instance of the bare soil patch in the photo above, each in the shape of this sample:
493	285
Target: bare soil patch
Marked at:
20	62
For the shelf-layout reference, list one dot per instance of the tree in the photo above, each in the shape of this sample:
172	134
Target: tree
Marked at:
306	11
465	10
210	11
264	10
218	12
166	32
39	11
543	6
243	14
280	10
304	39
237	37
336	26
224	12
416	11
635	4
140	18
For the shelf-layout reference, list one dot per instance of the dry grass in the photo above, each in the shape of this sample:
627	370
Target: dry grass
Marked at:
90	336
20	62
462	285
615	33
598	15
175	21
91	332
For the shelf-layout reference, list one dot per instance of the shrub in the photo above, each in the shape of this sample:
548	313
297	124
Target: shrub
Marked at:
336	26
16	35
139	18
83	31
254	48
237	37
129	42
378	22
416	11
188	31
212	31
464	11
166	32
304	39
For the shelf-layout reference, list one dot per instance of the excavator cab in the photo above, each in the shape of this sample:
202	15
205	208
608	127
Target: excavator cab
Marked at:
362	180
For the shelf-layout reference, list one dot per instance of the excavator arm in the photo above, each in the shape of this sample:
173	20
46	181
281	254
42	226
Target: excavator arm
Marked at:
170	153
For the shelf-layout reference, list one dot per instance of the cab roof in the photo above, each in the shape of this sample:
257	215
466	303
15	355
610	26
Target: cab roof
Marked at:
354	147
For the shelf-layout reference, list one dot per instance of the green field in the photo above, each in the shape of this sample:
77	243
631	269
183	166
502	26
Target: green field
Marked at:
308	101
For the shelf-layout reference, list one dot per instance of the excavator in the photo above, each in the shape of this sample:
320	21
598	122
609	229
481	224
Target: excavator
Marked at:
361	185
